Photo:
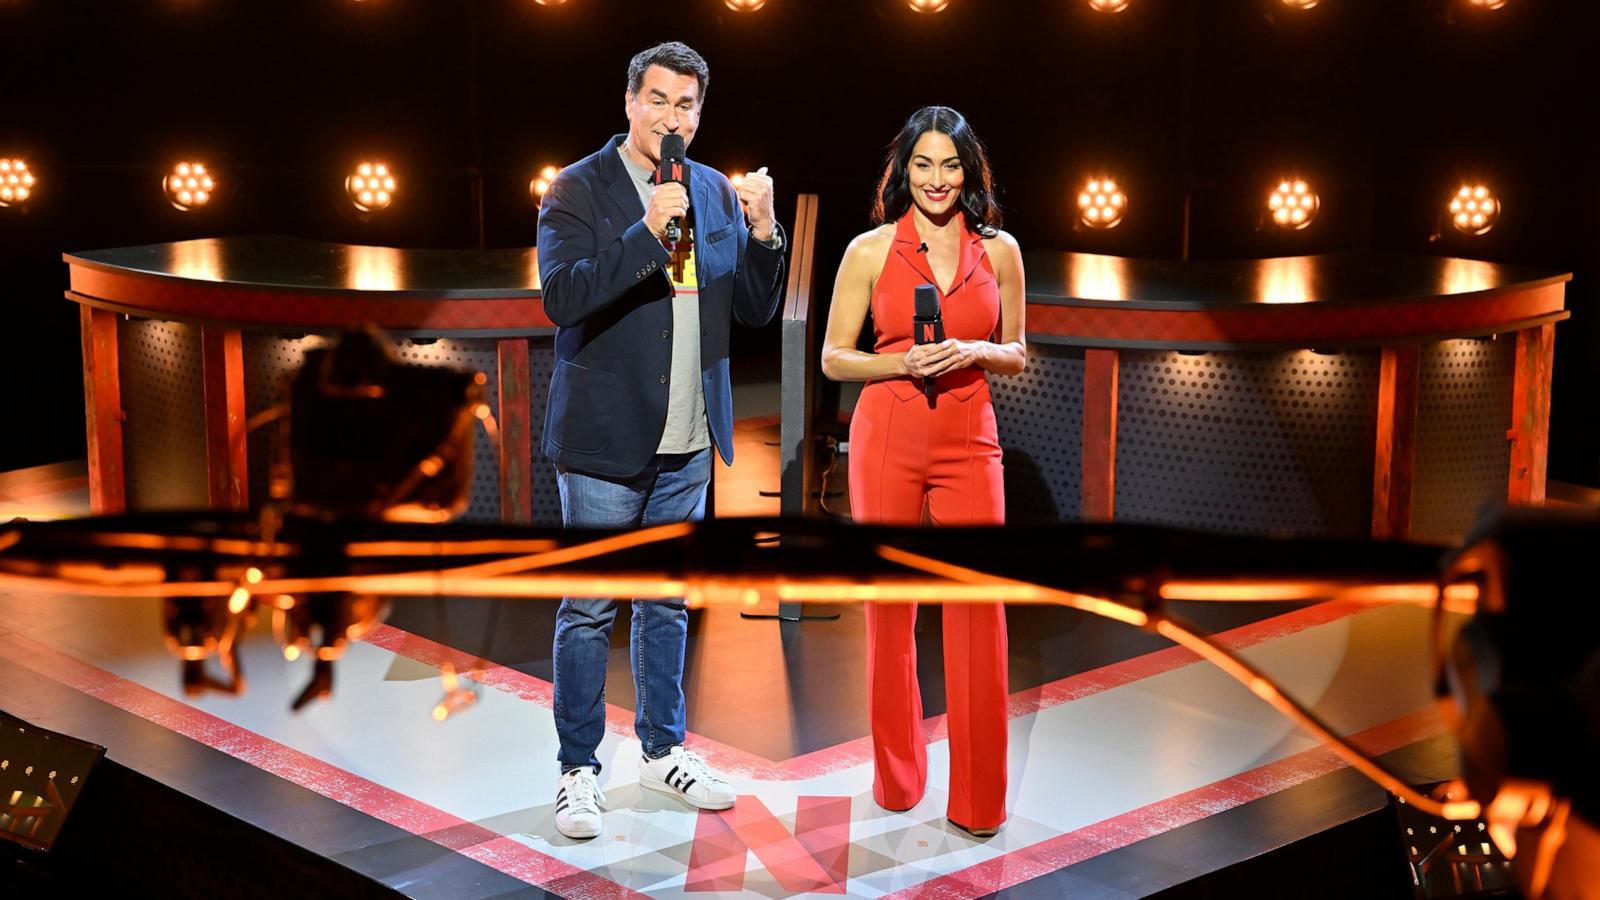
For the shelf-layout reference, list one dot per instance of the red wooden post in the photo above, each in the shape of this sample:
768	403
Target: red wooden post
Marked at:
1530	414
516	436
102	390
1099	434
1395	457
227	455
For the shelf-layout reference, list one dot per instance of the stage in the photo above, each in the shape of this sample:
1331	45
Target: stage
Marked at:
1134	767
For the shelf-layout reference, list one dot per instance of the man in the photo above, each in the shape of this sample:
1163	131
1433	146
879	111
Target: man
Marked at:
639	394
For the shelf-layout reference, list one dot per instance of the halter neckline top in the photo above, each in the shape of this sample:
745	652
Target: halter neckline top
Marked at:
970	307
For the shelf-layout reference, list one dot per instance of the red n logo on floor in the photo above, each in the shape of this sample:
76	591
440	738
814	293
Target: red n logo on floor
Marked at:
816	857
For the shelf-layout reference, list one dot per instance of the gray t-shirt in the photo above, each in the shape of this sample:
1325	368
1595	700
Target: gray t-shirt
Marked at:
686	430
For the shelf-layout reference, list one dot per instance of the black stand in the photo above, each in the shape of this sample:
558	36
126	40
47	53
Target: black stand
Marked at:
798	441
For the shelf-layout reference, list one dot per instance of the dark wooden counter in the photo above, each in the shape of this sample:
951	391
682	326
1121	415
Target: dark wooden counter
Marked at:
241	311
1294	347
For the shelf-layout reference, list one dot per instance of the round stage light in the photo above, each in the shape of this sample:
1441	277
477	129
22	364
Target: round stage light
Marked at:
745	5
370	187
1487	4
16	182
550	2
540	185
1301	4
1293	204
1101	204
188	186
1108	6
1474	209
927	6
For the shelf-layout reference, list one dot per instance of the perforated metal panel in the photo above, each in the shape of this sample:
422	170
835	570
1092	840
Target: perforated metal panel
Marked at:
478	356
1039	415
1258	442
1463	411
163	396
541	367
270	359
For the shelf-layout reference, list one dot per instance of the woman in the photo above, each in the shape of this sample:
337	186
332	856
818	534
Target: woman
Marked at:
917	456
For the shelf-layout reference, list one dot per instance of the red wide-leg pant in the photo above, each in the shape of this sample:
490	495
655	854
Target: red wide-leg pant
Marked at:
907	460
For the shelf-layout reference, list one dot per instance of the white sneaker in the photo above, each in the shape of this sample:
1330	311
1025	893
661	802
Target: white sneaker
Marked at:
686	776
578	799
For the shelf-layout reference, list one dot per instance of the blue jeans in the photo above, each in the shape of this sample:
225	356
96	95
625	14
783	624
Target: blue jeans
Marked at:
671	489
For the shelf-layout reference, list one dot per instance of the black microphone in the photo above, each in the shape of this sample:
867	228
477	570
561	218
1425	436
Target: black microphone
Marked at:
923	248
927	326
672	168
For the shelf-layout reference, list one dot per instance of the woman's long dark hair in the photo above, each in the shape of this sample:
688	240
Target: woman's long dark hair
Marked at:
977	191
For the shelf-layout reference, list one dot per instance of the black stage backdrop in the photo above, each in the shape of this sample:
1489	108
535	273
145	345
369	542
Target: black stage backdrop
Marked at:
1384	105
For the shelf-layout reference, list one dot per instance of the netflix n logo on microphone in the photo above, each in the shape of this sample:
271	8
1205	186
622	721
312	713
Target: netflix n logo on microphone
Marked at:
927	323
673	168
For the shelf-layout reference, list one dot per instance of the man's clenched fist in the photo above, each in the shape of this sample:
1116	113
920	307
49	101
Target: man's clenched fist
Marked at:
755	195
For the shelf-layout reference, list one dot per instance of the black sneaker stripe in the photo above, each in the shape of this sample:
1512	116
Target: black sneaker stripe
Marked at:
560	806
685	788
672	774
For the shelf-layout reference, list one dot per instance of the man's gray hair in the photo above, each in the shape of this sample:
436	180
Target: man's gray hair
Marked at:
673	56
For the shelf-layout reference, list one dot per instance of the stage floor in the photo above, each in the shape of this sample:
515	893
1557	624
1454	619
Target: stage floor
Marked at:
1133	766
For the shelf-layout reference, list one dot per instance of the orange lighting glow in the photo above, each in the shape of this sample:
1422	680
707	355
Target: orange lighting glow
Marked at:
1301	4
1293	204
1487	4
550	2
927	6
188	186
453	548
1466	276
969	579
198	259
1283	279
454	702
1108	6
745	5
1099	277
540	185
370	187
16	182
1458	598
1474	209
1101	204
372	268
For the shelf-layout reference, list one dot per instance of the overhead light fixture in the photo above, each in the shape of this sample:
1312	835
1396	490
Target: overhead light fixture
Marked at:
540	184
370	187
1101	204
1293	204
927	6
188	186
16	182
1108	6
1474	209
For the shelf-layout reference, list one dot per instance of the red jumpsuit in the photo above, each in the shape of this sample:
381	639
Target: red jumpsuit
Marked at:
907	459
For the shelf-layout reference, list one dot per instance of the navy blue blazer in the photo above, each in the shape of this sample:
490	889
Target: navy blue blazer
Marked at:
604	282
